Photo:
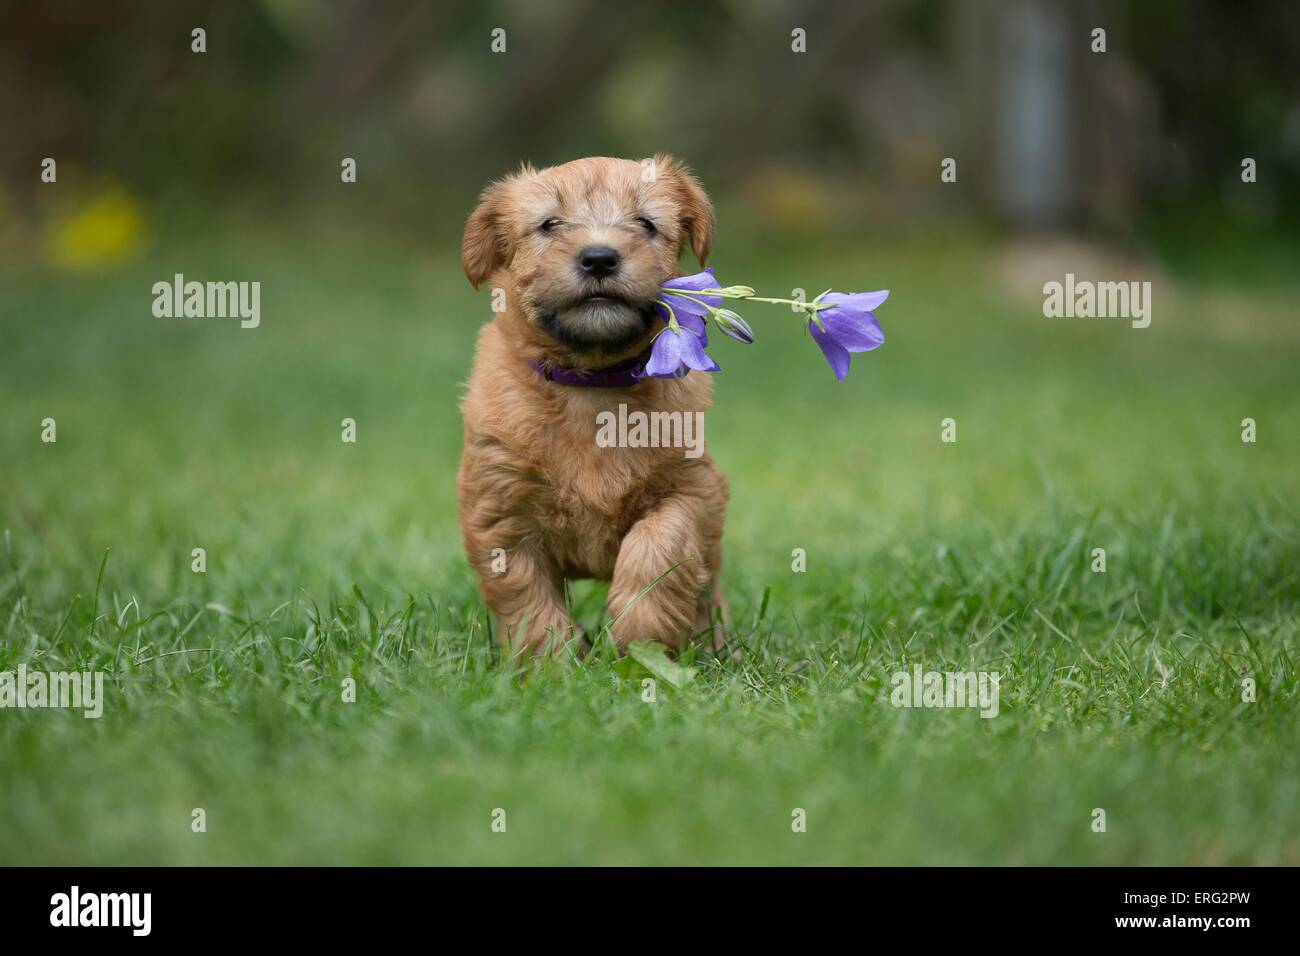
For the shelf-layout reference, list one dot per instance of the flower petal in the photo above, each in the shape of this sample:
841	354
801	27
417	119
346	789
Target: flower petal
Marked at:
857	301
694	356
701	280
685	306
665	354
857	332
836	355
696	324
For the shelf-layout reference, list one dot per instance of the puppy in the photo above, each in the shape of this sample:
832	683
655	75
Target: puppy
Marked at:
576	254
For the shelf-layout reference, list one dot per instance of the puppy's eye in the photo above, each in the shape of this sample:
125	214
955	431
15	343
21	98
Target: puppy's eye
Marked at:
549	225
648	226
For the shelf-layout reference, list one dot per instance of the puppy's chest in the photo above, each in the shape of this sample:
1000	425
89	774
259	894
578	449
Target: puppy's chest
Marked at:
607	485
596	490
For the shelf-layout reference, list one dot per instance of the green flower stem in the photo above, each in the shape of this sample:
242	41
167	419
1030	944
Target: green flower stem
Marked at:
813	306
672	320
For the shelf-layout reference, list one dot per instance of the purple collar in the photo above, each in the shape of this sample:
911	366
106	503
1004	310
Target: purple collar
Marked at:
623	375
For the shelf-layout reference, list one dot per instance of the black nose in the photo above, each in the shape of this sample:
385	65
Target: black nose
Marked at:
599	261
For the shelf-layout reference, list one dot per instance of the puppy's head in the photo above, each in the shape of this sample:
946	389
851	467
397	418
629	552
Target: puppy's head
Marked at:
586	245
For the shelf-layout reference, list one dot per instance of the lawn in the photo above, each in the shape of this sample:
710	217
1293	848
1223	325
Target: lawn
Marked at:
1120	690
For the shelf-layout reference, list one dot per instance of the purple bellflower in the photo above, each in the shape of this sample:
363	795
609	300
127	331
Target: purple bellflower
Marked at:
679	347
690	312
840	323
677	351
847	325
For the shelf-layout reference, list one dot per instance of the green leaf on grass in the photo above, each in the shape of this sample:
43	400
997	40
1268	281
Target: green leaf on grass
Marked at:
653	657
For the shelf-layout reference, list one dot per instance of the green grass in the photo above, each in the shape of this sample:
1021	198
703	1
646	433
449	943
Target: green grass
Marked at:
326	561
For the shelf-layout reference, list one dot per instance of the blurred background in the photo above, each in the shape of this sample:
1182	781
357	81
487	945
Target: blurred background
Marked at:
1047	134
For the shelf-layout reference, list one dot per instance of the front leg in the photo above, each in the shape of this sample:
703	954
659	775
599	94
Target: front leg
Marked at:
528	600
518	578
684	530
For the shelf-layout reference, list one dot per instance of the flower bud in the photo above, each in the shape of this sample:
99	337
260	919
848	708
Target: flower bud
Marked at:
729	323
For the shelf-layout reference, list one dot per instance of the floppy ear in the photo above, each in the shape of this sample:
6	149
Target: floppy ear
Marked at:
697	217
482	251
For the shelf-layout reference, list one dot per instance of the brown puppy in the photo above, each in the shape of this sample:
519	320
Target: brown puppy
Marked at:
577	253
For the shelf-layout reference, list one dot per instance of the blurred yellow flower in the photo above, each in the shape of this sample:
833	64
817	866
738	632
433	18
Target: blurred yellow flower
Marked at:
792	199
109	229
